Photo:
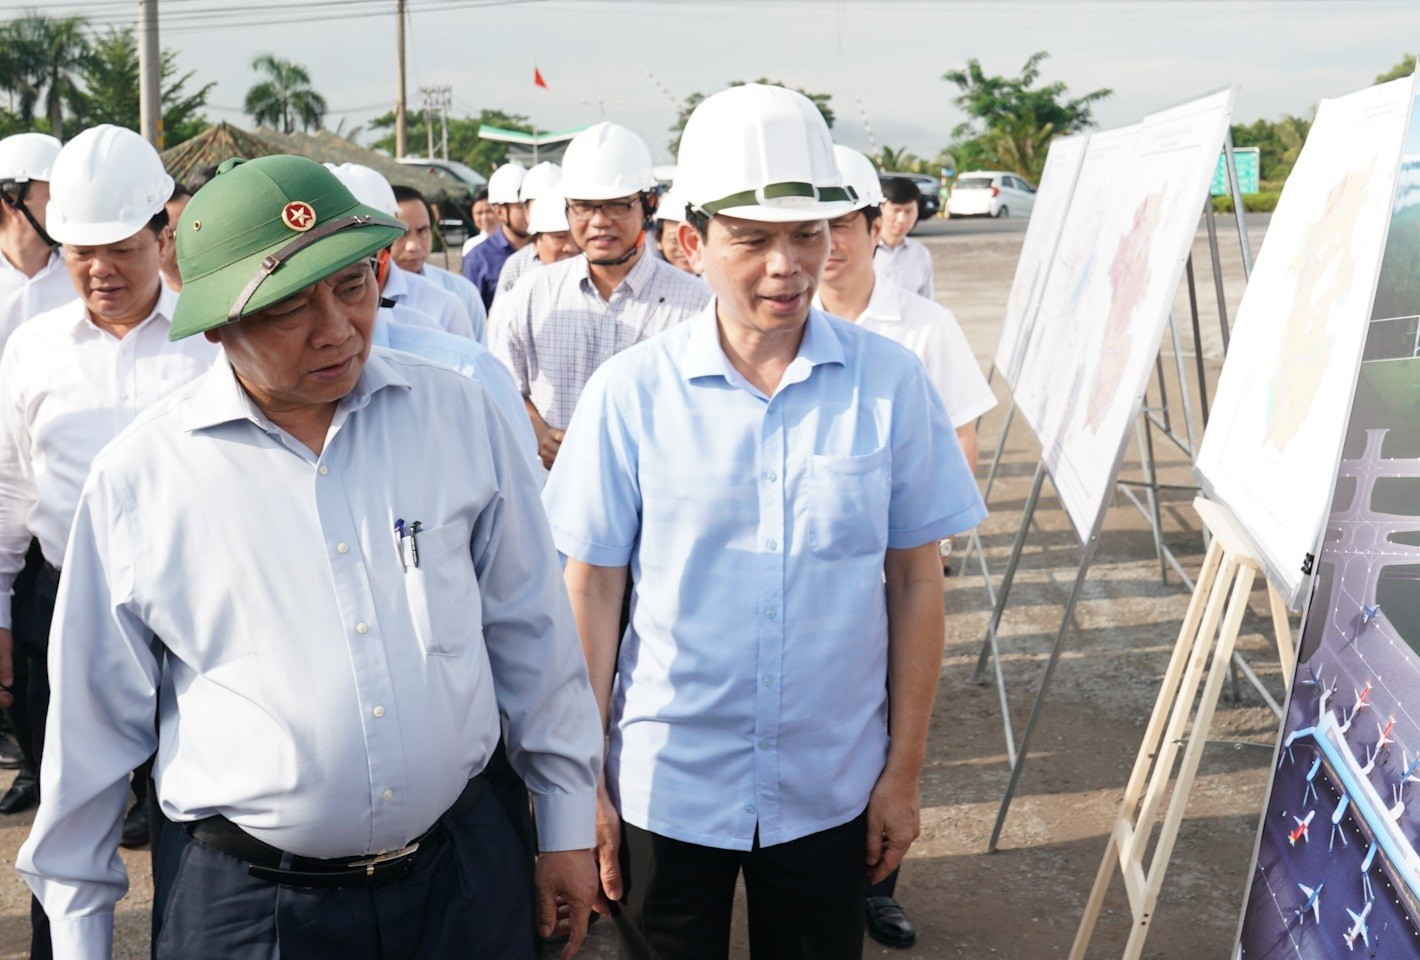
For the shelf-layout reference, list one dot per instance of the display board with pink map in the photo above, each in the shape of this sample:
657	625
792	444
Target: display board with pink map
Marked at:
1089	383
1280	411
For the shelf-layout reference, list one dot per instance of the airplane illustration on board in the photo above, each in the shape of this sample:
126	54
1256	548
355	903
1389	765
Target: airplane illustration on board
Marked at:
1313	903
1300	833
1358	927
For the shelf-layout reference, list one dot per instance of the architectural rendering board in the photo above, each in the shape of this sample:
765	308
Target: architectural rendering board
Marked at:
1052	201
1098	375
1280	411
1337	871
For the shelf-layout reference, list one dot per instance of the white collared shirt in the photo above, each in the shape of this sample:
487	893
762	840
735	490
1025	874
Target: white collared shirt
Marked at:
466	293
23	297
909	265
307	684
66	389
932	332
554	329
411	290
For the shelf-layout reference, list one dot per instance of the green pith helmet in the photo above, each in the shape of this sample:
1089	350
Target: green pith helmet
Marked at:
262	230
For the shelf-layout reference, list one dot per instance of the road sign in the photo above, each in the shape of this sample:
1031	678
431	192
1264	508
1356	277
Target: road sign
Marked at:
1246	160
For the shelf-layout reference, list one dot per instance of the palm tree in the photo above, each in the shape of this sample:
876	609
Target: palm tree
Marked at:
42	56
285	99
899	159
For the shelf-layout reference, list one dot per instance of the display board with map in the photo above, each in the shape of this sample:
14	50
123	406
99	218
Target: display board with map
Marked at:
1337	868
1085	387
1052	202
1058	316
1280	411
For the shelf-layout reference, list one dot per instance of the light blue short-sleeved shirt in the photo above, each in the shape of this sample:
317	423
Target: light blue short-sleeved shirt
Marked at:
751	689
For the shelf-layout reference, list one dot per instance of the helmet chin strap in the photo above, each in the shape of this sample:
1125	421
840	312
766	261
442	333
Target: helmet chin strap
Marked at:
18	203
631	251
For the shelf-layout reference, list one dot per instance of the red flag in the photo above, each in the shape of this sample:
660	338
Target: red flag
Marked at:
537	79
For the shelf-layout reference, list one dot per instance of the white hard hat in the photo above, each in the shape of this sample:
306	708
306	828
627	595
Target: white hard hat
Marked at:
106	184
859	173
503	185
760	152
549	214
28	156
538	180
606	161
672	206
368	185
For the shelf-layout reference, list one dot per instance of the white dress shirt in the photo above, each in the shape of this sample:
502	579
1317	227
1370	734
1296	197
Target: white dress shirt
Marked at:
66	389
465	292
308	686
909	265
554	329
411	290
473	360
932	332
23	297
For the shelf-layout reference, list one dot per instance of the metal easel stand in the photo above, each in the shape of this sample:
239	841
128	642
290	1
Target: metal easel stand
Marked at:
1229	570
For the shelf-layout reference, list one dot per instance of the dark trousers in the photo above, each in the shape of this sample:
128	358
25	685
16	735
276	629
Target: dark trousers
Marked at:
886	887
31	613
805	897
467	896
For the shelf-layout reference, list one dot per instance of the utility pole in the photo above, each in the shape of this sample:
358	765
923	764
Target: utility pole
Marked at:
150	109
401	133
437	98
445	101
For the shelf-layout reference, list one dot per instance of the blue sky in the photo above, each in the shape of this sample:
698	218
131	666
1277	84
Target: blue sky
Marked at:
887	55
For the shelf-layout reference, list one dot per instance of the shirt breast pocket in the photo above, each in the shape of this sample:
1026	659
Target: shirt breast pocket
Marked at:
848	499
444	600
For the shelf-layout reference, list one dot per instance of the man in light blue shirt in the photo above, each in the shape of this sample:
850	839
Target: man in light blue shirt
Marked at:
775	480
317	581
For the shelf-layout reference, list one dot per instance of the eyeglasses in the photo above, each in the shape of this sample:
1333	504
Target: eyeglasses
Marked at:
582	211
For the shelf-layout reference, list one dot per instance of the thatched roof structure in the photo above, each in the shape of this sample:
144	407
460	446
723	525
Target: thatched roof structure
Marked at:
224	141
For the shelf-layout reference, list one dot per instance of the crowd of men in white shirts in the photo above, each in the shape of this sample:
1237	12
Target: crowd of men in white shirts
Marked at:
797	463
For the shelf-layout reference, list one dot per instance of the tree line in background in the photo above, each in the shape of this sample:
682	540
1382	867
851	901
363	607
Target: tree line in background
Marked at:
61	75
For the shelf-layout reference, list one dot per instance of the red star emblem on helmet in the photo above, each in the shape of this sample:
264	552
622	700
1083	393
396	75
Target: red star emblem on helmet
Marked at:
298	215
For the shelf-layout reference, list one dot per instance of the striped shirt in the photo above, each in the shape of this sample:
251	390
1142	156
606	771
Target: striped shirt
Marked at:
554	329
515	268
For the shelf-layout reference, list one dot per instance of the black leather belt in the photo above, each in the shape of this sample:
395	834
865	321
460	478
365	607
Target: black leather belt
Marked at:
265	861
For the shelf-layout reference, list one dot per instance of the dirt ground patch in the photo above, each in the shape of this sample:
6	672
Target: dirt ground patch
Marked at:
1024	902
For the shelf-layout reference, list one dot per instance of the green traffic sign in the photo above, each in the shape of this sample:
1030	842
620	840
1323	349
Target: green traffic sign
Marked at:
1245	159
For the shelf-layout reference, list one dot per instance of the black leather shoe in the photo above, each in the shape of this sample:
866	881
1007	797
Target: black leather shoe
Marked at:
888	923
135	827
23	794
11	757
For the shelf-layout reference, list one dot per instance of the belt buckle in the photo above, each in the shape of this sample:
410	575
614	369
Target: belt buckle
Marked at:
369	863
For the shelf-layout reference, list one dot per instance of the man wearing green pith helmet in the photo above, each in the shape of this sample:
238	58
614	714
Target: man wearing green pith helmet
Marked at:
325	570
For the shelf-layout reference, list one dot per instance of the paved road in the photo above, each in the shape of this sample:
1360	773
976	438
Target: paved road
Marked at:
986	226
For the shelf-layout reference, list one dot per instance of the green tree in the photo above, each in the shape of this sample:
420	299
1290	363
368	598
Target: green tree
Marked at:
1012	120
465	145
1279	143
820	100
42	57
899	159
1404	68
285	99
110	93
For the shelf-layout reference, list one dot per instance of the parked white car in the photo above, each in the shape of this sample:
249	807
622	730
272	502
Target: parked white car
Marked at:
990	193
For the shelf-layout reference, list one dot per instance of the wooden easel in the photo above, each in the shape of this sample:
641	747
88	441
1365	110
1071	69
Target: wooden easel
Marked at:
1229	570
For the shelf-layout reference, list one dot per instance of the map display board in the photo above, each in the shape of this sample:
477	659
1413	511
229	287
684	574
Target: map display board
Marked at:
1059	315
1104	349
1337	869
1052	202
1280	412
